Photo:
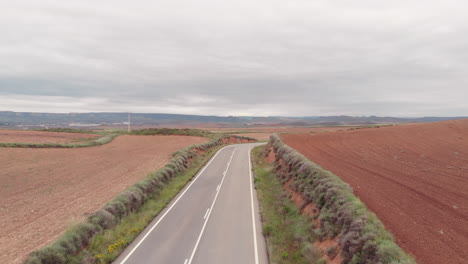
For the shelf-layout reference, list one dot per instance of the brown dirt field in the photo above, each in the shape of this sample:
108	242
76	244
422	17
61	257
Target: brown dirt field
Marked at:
23	136
45	190
414	177
258	136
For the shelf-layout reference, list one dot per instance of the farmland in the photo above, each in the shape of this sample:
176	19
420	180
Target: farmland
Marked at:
43	191
414	177
41	137
275	129
264	133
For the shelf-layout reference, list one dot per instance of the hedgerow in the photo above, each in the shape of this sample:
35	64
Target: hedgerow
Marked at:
67	130
109	136
171	131
96	142
78	237
362	237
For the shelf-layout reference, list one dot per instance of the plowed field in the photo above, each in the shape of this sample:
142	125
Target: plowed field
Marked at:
414	177
18	136
42	191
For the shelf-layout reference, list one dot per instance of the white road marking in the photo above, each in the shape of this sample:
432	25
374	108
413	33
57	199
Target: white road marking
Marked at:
217	188
169	209
206	213
209	213
253	211
185	261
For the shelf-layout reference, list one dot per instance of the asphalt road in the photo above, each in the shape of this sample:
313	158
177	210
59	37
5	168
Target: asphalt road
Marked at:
213	220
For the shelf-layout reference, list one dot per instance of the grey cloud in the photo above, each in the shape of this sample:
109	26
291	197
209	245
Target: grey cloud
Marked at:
210	57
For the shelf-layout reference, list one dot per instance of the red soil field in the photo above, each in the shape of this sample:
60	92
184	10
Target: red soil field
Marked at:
20	136
43	191
414	177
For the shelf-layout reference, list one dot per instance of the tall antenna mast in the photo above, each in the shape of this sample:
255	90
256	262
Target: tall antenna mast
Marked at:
128	122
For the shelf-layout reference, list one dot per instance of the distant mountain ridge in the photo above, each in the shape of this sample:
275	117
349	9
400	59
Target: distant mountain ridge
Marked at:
14	119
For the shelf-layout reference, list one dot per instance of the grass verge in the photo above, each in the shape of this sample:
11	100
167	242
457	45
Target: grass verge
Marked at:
288	235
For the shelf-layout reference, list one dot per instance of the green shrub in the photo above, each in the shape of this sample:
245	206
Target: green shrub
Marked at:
322	261
267	230
103	219
47	255
332	252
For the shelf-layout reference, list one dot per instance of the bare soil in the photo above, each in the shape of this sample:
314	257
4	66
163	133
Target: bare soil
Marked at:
23	136
414	177
43	191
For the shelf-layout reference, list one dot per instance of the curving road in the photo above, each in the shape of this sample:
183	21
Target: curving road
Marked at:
213	220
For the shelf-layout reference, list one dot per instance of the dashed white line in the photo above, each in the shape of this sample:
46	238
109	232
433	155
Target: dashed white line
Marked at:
253	211
209	213
206	213
217	188
186	260
169	209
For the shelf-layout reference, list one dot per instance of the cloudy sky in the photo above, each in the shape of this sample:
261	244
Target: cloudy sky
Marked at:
236	57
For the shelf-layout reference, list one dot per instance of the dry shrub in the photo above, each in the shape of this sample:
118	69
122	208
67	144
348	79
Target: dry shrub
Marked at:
47	255
69	243
102	218
332	252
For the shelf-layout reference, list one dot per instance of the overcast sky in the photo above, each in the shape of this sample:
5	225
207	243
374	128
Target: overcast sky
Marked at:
236	57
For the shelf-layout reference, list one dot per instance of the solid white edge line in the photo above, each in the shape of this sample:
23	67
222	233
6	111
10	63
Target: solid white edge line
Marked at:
208	217
169	209
253	211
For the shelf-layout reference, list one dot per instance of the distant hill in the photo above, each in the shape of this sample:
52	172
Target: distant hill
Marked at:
28	119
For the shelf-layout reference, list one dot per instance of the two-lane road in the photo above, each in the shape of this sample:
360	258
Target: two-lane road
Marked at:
213	220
